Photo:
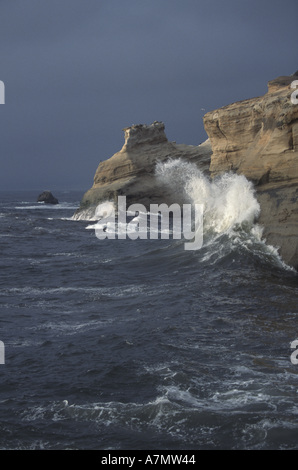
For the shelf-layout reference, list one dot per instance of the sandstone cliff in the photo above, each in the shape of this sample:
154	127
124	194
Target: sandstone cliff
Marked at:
130	171
259	138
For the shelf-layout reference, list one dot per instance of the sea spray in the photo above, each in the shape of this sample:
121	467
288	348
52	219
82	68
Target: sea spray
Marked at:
230	211
228	204
228	201
145	224
227	222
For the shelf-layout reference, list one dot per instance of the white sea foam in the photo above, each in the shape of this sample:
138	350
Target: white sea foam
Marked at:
174	410
230	209
43	206
86	214
228	201
230	206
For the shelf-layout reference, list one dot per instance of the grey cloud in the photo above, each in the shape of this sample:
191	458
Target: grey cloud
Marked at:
76	72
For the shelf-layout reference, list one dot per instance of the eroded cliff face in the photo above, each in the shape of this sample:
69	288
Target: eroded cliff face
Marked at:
259	139
131	171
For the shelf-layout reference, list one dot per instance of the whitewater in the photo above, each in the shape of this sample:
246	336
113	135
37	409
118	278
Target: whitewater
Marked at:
229	211
120	344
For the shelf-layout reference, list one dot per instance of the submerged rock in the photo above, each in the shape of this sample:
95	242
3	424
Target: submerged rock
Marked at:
47	197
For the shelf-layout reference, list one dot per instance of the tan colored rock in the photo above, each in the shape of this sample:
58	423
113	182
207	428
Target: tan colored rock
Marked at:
131	171
259	138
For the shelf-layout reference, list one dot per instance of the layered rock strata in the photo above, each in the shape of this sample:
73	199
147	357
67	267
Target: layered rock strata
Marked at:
259	139
131	171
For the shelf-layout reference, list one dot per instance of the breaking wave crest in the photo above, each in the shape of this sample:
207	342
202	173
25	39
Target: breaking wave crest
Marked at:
230	212
229	201
230	209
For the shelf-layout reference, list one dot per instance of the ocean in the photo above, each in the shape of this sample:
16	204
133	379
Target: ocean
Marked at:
140	344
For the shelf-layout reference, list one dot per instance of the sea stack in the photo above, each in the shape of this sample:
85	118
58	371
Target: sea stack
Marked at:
131	171
47	197
257	138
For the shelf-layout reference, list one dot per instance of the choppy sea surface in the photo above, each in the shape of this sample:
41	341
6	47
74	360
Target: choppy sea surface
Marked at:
141	344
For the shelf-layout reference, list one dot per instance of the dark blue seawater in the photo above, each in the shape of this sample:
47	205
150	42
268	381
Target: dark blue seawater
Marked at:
122	344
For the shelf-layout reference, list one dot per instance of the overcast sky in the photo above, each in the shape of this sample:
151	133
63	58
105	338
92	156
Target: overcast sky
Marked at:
77	72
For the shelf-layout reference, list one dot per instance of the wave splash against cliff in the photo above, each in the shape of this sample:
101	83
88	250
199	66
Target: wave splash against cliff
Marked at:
230	210
229	217
229	201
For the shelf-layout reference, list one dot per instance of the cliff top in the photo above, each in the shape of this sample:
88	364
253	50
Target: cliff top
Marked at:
281	82
141	134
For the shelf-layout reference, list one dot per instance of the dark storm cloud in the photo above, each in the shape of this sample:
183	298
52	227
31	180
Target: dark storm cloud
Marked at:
76	72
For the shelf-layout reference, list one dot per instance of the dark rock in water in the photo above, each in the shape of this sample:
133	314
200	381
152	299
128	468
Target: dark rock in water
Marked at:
47	197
